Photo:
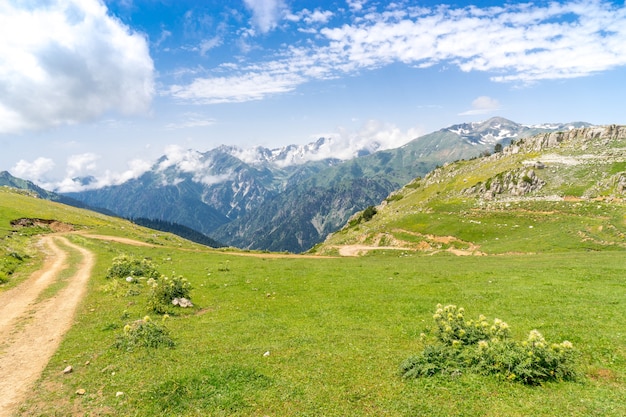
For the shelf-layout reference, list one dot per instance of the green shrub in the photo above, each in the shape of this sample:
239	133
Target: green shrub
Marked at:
165	290
532	362
434	359
144	333
394	197
128	266
368	213
476	346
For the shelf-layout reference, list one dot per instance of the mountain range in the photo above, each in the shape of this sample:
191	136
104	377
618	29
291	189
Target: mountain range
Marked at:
291	198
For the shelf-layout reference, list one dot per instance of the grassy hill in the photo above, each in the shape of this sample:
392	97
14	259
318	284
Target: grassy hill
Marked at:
549	193
325	336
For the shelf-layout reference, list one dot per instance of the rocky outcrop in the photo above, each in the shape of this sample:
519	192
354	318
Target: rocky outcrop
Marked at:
513	183
621	184
553	139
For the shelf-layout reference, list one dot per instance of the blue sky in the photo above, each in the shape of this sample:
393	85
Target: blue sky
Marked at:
104	88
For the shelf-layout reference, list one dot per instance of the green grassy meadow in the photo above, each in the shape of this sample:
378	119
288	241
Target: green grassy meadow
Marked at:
336	329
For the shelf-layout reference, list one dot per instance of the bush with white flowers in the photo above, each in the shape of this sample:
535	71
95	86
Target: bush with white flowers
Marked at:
462	345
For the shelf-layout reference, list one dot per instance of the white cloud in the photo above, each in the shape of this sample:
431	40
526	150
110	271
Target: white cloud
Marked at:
190	161
266	13
482	105
317	16
33	171
69	184
78	165
346	144
68	61
177	155
208	44
383	135
136	168
519	43
356	5
247	87
165	34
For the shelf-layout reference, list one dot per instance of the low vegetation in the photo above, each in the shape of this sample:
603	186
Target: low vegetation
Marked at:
144	333
297	336
462	345
132	268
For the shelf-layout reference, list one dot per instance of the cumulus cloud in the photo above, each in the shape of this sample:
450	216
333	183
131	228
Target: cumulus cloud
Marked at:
311	17
81	164
33	171
356	5
520	43
384	135
482	105
266	13
175	155
68	61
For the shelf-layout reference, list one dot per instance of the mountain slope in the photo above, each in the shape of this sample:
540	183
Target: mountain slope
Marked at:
299	210
550	192
297	218
232	194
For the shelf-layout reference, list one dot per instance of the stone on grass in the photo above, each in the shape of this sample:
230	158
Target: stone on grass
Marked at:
182	302
68	369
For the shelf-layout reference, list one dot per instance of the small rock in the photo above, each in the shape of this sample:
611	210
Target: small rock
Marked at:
80	391
182	302
119	394
266	354
68	369
87	363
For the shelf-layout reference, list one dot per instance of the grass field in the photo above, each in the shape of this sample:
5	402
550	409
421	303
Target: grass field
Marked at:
336	329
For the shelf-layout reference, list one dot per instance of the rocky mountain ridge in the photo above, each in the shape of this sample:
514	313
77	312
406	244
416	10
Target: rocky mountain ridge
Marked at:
263	199
501	130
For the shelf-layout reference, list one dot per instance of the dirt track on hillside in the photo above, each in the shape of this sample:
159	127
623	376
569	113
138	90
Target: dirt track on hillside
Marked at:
32	328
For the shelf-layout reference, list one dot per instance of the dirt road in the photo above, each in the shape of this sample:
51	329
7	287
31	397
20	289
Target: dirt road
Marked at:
32	327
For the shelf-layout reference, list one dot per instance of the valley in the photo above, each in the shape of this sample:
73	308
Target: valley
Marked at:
291	198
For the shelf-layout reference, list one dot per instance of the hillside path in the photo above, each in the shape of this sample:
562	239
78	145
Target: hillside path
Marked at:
32	327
